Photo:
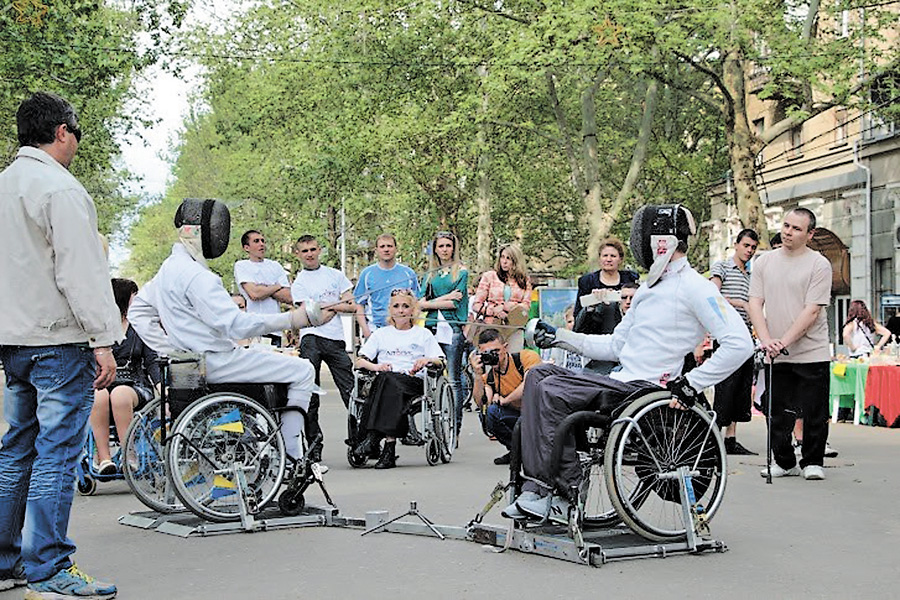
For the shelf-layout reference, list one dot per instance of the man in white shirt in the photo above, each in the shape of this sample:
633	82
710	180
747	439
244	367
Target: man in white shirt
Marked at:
325	343
262	282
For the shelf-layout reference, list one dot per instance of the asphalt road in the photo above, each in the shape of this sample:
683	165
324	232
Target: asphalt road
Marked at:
838	538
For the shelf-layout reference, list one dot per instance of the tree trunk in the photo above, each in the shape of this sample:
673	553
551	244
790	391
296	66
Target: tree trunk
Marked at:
484	232
638	156
592	192
740	145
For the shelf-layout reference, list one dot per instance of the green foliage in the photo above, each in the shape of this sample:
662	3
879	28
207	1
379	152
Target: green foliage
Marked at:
86	51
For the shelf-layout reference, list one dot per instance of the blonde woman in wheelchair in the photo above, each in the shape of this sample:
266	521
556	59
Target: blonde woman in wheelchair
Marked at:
399	353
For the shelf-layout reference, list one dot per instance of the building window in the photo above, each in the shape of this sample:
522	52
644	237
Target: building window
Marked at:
840	126
796	142
759	126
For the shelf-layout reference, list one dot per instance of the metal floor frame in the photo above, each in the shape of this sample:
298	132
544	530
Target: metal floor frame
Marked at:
552	541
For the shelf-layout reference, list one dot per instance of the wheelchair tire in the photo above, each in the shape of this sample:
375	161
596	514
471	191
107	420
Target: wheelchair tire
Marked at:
290	504
446	419
355	460
86	486
144	462
671	438
433	451
208	438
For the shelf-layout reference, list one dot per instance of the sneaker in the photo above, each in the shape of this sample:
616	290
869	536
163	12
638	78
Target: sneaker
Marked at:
70	584
512	511
830	452
323	468
14	578
813	473
107	467
558	508
778	471
503	460
732	446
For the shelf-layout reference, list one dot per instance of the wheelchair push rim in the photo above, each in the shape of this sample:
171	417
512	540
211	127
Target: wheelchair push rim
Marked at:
211	437
646	445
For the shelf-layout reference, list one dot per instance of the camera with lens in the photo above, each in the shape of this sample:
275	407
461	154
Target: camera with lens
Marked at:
490	358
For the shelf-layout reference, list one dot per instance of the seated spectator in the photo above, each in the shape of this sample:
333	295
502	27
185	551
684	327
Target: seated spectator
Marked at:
626	295
399	354
503	296
498	384
136	373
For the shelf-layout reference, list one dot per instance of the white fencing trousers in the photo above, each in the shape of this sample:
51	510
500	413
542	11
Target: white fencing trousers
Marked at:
249	366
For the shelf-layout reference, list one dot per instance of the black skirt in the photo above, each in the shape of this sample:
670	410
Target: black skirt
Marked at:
389	403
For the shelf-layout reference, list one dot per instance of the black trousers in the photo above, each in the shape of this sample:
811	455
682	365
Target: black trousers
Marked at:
389	403
799	389
317	350
733	396
552	394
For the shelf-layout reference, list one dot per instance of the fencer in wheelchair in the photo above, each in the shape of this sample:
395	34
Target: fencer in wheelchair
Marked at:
400	373
600	449
227	452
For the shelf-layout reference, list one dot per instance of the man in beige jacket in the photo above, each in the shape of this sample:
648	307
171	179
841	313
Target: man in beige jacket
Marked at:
57	325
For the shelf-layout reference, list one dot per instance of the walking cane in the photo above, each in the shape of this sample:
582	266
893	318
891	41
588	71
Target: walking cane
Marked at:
771	361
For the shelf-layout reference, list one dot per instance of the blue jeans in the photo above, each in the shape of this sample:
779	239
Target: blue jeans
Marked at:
47	399
455	352
500	421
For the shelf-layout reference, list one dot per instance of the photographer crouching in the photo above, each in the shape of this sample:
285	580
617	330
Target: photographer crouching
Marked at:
498	385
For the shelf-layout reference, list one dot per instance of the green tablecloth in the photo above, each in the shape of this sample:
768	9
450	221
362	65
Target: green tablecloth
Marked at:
852	384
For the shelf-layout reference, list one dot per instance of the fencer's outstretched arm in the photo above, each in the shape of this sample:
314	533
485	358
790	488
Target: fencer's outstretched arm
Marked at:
724	323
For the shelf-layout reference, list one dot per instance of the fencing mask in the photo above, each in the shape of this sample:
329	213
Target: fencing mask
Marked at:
656	231
206	221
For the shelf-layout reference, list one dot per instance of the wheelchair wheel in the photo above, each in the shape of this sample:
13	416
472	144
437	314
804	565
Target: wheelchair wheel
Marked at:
655	441
208	439
446	421
596	507
86	485
291	504
144	464
433	451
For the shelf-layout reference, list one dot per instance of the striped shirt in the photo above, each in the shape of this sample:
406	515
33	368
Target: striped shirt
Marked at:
735	283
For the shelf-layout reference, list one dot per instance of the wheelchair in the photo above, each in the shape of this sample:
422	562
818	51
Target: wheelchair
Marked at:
223	456
437	420
87	476
635	460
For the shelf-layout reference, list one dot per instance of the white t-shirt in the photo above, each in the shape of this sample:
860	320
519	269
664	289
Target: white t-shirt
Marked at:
401	349
324	285
267	272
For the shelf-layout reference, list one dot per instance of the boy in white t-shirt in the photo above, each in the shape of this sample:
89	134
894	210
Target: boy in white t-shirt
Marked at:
329	287
262	282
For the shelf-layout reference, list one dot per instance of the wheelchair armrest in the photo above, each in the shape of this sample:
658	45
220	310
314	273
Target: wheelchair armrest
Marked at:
435	370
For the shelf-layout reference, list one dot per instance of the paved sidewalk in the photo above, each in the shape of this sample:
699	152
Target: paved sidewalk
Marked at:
837	538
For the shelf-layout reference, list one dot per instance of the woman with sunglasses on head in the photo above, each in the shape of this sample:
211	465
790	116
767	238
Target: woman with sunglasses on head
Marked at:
399	354
504	294
446	302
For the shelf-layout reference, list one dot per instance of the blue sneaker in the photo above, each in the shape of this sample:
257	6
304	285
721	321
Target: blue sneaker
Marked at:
14	578
70	584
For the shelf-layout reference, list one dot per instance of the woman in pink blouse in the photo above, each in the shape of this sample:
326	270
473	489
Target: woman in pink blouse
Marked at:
504	294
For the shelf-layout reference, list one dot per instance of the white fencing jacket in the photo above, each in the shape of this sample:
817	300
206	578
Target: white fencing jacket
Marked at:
665	323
